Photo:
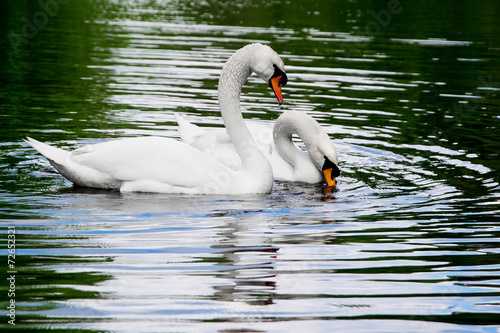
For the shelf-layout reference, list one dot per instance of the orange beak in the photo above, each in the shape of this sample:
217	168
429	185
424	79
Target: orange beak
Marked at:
330	181
275	84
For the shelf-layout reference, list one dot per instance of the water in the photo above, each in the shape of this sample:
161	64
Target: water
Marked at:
409	94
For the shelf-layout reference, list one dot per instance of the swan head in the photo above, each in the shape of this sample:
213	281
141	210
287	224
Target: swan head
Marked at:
320	147
267	64
330	171
325	158
324	155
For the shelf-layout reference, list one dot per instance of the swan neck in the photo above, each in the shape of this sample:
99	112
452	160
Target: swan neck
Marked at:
286	126
234	74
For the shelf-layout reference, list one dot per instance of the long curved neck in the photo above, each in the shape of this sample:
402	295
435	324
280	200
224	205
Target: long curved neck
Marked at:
234	74
288	124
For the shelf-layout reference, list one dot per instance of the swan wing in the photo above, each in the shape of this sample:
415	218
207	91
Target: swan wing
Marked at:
217	144
214	142
149	160
189	132
146	164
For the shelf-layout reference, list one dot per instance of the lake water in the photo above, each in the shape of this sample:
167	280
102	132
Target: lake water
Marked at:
409	93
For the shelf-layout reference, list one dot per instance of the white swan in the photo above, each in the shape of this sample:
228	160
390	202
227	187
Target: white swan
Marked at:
289	163
157	164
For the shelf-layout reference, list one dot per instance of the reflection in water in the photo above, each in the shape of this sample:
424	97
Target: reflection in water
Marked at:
249	268
408	238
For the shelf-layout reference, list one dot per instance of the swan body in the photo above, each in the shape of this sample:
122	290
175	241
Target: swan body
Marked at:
288	162
165	165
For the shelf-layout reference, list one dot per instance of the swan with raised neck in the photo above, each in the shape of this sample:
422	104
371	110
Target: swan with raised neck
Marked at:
159	164
265	62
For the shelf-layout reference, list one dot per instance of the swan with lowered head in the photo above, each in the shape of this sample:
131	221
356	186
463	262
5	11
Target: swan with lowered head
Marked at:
289	162
165	165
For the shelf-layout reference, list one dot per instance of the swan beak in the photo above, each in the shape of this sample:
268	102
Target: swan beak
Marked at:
275	84
330	171
330	180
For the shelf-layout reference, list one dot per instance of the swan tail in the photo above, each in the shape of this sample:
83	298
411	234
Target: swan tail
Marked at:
189	132
56	156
